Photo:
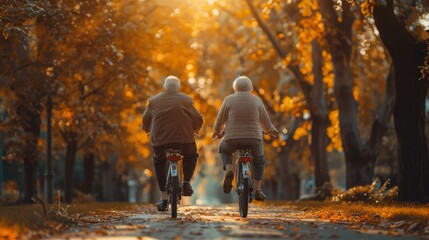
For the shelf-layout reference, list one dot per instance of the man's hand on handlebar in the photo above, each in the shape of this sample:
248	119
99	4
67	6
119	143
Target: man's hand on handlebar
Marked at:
218	136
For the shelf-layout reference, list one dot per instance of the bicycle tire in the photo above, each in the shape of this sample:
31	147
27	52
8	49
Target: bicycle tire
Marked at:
243	198
174	196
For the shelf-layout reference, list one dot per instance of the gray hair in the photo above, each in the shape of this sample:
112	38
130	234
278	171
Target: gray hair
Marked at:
242	84
171	83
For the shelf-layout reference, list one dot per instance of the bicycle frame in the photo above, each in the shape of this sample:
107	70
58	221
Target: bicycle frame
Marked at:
244	183
245	159
174	179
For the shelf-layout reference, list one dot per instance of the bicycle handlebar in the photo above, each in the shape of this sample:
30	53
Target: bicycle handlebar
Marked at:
271	134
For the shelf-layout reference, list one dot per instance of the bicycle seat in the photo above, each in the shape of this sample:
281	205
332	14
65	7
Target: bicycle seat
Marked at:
245	147
173	154
172	150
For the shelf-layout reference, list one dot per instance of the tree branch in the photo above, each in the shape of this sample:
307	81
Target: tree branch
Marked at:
305	86
267	30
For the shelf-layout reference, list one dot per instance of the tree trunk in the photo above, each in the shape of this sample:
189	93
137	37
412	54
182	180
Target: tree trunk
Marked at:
69	169
30	178
28	114
359	161
25	83
286	187
358	171
88	166
319	116
409	110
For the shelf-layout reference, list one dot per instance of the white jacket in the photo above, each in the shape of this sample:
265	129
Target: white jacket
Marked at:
243	116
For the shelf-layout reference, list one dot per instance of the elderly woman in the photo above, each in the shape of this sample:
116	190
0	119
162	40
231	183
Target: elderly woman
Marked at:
241	120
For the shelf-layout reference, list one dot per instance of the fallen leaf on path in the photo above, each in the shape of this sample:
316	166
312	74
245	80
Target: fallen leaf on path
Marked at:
296	229
280	227
393	233
100	232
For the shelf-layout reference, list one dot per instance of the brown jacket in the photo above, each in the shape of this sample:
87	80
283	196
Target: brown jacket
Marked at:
243	116
171	117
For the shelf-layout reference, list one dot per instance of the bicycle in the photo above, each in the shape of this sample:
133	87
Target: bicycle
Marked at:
174	179
243	176
244	184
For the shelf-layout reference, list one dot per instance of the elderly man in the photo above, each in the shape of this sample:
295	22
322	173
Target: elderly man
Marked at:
171	119
241	119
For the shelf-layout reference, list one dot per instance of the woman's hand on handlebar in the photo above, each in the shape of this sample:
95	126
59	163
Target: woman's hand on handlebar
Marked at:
273	134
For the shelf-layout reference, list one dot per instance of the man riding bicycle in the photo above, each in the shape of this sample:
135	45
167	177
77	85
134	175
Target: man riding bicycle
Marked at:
240	119
172	120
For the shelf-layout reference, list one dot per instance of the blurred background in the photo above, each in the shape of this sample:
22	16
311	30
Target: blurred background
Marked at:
75	77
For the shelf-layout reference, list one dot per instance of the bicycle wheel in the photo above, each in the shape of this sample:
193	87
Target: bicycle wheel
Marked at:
174	196
243	197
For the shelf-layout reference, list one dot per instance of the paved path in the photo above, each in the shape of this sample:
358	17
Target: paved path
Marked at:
221	222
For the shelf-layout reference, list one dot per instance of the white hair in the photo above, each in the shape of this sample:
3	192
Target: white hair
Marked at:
242	84
171	83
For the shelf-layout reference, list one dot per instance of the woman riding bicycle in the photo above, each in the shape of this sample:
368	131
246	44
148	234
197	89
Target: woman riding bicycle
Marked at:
240	120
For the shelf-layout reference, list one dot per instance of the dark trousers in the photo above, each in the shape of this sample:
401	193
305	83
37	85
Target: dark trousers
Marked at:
228	147
190	156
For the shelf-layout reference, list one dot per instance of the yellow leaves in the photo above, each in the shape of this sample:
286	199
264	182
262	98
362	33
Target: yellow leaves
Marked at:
159	57
306	12
333	132
50	71
78	77
306	68
356	93
367	6
10	233
137	140
300	132
129	93
189	66
307	7
67	114
275	143
287	104
148	172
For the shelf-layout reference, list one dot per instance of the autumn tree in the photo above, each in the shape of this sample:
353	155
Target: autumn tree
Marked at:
408	52
360	155
25	80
